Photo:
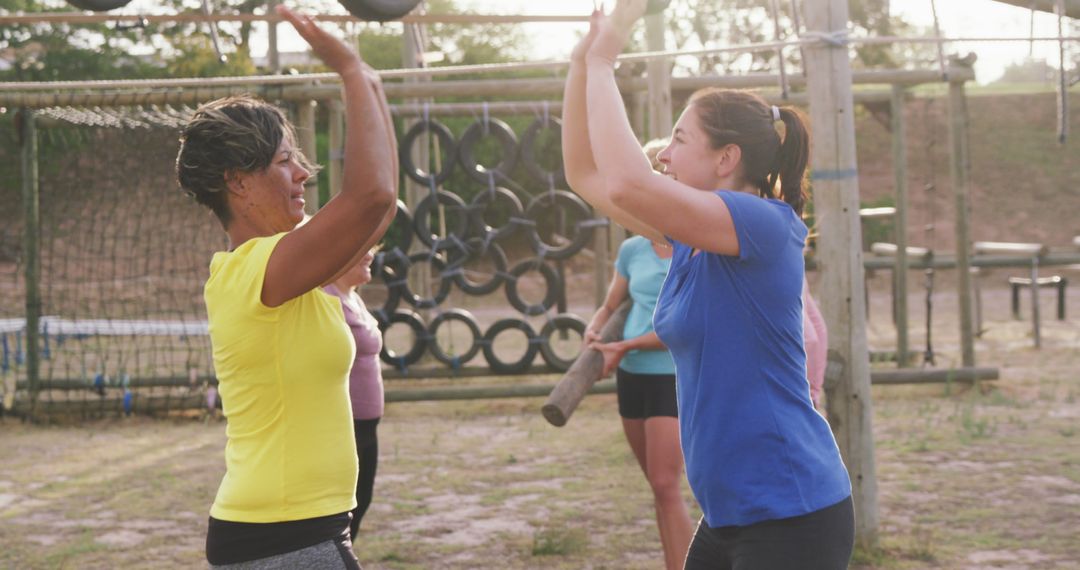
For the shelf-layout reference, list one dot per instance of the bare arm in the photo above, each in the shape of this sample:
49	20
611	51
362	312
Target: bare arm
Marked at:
354	220
616	293
689	215
615	351
581	172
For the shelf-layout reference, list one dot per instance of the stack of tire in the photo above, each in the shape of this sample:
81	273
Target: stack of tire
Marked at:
468	233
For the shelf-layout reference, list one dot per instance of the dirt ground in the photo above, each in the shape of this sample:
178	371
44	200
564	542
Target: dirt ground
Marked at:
967	478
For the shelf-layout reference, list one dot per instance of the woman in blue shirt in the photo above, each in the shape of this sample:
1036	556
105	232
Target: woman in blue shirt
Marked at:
761	461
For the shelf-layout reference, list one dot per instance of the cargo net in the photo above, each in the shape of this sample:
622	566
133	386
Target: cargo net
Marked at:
486	275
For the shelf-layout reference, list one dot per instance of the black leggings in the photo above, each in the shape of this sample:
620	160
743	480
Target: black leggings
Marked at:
367	450
821	540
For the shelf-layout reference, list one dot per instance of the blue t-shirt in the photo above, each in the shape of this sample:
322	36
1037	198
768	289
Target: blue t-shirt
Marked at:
645	273
755	448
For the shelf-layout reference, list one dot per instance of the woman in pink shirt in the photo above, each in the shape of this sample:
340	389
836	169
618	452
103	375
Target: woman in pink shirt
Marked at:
365	380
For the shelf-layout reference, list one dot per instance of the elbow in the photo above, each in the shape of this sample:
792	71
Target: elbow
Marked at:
623	191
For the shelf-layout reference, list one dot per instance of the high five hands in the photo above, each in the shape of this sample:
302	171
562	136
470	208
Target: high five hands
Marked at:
609	33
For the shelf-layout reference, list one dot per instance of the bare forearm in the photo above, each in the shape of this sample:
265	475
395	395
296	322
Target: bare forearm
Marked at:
618	156
369	172
647	341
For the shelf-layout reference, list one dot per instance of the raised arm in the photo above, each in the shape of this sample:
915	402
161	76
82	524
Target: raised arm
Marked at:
581	172
668	206
351	223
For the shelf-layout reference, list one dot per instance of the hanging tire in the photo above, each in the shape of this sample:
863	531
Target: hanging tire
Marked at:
551	279
479	206
529	152
446	144
384	269
473	135
379	10
509	367
563	203
476	248
461	316
416	351
99	5
562	322
443	291
400	233
456	211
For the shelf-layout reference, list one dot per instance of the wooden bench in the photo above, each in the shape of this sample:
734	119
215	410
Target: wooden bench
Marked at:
1053	281
1035	251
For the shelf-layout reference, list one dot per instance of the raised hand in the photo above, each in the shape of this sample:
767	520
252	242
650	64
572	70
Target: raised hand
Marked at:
614	31
332	51
582	47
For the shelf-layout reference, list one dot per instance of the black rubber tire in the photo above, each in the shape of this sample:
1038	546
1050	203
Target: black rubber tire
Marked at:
422	217
458	257
462	316
517	366
383	268
551	278
479	205
416	351
473	135
400	233
379	10
443	292
528	152
564	321
99	5
574	207
447	144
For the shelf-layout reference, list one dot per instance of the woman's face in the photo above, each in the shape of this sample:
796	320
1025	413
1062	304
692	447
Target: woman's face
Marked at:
689	158
359	273
274	197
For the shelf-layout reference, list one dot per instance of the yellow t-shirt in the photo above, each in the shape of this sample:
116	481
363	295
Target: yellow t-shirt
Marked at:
283	375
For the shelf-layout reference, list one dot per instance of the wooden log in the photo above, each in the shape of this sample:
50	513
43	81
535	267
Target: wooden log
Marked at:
1013	248
931	376
960	172
582	374
891	250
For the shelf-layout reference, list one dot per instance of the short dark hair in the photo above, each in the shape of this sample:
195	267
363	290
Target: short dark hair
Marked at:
234	134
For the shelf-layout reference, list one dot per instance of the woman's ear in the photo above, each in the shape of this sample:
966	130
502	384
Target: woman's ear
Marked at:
728	161
235	182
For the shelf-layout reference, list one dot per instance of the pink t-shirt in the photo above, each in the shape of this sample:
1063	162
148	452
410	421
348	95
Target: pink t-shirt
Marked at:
816	343
365	379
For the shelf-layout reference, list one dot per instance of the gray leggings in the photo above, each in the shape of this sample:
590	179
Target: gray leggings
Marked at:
328	555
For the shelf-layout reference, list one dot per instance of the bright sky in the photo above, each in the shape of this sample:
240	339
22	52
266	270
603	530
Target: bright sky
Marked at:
959	18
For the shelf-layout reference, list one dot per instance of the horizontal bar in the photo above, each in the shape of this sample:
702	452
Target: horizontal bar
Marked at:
932	376
86	18
948	261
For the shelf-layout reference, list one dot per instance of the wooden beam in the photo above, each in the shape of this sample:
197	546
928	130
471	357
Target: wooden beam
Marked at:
900	191
1072	7
960	169
836	206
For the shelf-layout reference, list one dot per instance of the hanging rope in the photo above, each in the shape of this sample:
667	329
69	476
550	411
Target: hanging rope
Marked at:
940	44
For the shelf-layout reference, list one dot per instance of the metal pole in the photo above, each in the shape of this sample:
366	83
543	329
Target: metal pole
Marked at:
31	249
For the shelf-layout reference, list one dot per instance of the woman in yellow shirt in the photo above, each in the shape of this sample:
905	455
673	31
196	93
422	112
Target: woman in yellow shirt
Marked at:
281	348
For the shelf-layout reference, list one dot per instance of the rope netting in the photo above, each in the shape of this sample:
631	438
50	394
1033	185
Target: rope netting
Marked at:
477	277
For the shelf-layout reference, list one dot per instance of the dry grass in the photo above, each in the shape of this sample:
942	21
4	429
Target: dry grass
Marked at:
968	478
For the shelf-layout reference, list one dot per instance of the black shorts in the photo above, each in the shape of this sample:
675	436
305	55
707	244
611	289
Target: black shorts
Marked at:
644	396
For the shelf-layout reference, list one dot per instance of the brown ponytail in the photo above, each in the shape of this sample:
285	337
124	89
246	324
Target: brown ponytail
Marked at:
742	118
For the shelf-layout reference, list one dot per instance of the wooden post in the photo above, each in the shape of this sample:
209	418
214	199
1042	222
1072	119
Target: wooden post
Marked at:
659	70
411	56
31	250
336	142
836	205
273	57
305	131
960	168
583	373
900	276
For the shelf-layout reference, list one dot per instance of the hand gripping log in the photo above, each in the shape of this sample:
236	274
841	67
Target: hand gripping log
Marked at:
585	371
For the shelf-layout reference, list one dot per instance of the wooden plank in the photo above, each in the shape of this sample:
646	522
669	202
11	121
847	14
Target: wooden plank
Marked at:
836	206
31	196
900	277
583	373
1009	247
893	250
305	131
